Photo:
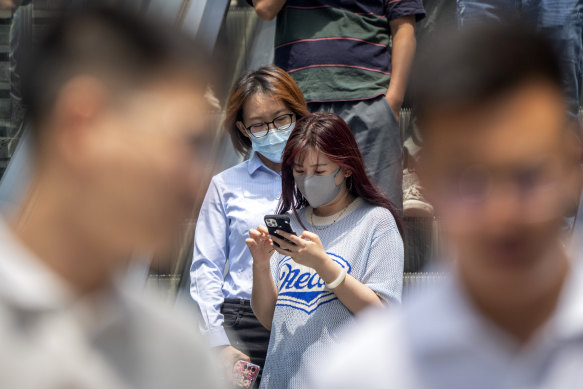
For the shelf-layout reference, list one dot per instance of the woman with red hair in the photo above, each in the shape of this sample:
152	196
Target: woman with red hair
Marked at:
348	255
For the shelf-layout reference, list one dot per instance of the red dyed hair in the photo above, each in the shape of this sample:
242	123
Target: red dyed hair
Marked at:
329	134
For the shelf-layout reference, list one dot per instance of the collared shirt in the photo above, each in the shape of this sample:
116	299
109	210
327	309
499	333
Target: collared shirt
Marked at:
52	338
441	341
339	50
236	201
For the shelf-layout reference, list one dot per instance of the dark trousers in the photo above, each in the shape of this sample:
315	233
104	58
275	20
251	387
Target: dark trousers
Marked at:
245	332
560	20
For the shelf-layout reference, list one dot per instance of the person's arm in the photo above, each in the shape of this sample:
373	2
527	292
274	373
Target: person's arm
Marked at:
404	44
355	295
268	9
206	273
308	251
264	294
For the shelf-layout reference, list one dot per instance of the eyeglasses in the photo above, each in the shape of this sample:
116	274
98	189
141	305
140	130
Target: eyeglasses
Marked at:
280	123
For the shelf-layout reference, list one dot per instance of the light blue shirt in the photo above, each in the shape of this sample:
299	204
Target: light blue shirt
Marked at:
237	200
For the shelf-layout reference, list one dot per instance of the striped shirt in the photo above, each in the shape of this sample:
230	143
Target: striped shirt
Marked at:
339	50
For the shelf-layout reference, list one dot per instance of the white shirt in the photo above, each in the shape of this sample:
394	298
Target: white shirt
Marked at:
440	341
52	338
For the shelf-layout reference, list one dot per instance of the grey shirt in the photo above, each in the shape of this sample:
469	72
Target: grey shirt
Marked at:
307	318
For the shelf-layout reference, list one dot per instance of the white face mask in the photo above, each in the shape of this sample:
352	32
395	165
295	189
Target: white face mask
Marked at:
319	190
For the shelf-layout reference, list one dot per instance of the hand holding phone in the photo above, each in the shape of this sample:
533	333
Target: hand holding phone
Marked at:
278	222
244	374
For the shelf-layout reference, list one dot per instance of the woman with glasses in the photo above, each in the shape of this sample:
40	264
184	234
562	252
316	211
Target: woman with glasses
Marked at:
261	113
348	254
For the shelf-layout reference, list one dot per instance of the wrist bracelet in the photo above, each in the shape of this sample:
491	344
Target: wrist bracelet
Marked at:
334	284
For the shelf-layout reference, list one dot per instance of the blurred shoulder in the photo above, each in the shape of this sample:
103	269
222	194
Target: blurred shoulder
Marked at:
171	345
173	323
371	354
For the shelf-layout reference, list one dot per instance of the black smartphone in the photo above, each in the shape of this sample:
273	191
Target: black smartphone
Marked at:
278	222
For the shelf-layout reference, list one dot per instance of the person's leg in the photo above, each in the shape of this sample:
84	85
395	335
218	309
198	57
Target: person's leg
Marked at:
378	136
246	333
562	22
470	11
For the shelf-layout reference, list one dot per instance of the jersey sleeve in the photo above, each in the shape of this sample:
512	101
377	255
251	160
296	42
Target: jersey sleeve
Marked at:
385	263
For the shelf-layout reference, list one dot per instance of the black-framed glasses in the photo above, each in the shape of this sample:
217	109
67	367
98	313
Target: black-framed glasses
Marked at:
280	123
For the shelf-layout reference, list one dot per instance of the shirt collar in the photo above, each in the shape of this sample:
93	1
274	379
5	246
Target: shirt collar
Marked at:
457	324
454	321
24	280
568	319
255	163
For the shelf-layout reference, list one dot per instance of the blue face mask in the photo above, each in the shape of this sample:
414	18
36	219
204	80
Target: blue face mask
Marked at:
271	146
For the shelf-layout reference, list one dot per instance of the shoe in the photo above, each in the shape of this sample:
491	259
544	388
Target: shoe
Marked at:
414	204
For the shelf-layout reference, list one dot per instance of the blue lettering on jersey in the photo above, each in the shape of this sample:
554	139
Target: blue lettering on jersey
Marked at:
301	287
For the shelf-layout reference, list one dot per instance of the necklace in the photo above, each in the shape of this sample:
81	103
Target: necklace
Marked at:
320	228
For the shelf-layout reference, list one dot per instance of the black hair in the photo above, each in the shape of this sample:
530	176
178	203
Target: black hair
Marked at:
118	46
479	64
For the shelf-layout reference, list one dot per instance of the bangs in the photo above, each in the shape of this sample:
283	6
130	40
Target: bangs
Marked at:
299	152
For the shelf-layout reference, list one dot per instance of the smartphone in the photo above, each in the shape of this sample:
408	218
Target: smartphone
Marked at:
244	374
278	222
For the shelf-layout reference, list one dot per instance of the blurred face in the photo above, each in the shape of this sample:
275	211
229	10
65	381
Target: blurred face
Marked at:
141	163
501	177
9	4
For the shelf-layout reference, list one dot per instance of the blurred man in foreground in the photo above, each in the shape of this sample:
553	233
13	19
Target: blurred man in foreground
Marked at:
121	145
500	165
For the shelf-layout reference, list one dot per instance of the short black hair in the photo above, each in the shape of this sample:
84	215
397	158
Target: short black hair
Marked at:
469	67
117	45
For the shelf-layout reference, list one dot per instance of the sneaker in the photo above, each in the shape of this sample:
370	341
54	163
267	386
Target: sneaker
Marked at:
414	204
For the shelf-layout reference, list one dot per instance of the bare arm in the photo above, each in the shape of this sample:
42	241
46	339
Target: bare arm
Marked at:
404	44
352	293
268	9
264	293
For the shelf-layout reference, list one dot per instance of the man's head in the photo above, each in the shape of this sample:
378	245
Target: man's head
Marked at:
120	126
500	154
